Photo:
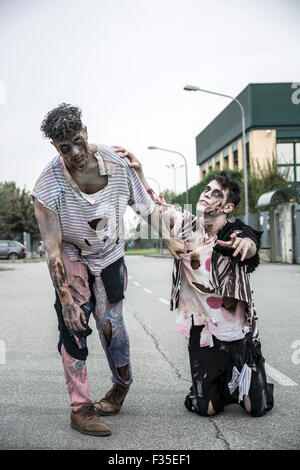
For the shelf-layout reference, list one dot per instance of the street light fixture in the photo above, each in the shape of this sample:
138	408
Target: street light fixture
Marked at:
194	88
159	191
155	181
152	147
174	168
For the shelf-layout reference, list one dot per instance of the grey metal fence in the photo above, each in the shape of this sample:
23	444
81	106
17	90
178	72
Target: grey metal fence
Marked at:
260	221
296	215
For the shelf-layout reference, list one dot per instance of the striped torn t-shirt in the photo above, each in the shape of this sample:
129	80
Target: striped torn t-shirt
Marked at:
93	228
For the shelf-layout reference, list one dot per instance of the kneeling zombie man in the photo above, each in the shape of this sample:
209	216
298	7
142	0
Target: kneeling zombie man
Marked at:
79	200
211	289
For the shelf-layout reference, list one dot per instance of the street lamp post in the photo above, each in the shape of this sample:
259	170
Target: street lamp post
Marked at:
174	168
194	88
151	147
159	191
155	181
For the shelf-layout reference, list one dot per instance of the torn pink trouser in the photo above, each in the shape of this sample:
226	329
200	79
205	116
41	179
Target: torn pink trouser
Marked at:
117	352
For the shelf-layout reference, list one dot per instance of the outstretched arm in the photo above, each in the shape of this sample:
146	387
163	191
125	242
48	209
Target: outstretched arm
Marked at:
49	226
164	216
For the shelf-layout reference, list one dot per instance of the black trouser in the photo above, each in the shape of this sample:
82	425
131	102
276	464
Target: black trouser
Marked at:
211	370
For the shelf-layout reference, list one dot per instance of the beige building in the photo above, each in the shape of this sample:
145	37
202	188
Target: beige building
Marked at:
260	149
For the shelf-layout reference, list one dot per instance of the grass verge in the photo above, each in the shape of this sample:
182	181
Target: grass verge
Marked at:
146	251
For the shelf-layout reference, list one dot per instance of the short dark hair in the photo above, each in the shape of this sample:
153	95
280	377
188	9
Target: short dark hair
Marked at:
62	123
227	182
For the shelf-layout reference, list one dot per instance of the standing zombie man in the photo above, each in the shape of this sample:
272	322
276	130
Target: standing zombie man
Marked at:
211	289
79	200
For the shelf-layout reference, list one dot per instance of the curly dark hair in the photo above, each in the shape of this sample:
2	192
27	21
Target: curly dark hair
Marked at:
62	123
226	181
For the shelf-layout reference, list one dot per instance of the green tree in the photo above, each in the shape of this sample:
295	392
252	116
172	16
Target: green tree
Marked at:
263	180
16	213
168	195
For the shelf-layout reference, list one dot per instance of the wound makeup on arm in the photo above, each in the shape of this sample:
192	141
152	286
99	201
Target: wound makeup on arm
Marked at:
58	275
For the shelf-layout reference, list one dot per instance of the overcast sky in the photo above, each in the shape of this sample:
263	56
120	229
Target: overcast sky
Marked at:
125	62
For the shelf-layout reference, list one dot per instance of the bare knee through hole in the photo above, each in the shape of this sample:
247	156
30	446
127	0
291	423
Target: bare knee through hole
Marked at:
246	398
108	332
247	403
210	409
123	372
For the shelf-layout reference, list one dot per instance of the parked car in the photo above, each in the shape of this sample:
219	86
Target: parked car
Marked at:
11	249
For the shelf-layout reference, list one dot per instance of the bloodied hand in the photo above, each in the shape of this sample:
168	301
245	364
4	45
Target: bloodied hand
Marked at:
244	246
134	162
74	317
175	246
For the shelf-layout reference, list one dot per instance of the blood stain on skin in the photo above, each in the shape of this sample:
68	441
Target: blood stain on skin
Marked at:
229	303
195	261
204	289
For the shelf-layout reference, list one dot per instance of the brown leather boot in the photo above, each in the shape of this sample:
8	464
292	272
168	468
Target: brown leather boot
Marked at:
86	421
112	402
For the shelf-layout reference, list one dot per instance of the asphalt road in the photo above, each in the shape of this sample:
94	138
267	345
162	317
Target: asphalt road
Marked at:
34	411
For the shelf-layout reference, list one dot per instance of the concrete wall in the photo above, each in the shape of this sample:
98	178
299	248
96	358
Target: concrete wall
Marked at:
282	243
287	233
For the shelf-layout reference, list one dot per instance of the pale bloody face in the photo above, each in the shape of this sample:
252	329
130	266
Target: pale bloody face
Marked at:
214	194
74	151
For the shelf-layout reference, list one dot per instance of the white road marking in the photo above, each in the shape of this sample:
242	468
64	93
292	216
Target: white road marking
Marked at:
279	377
164	301
148	291
136	283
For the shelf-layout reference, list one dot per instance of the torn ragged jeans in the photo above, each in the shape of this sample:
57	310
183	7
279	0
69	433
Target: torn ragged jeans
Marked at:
90	294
